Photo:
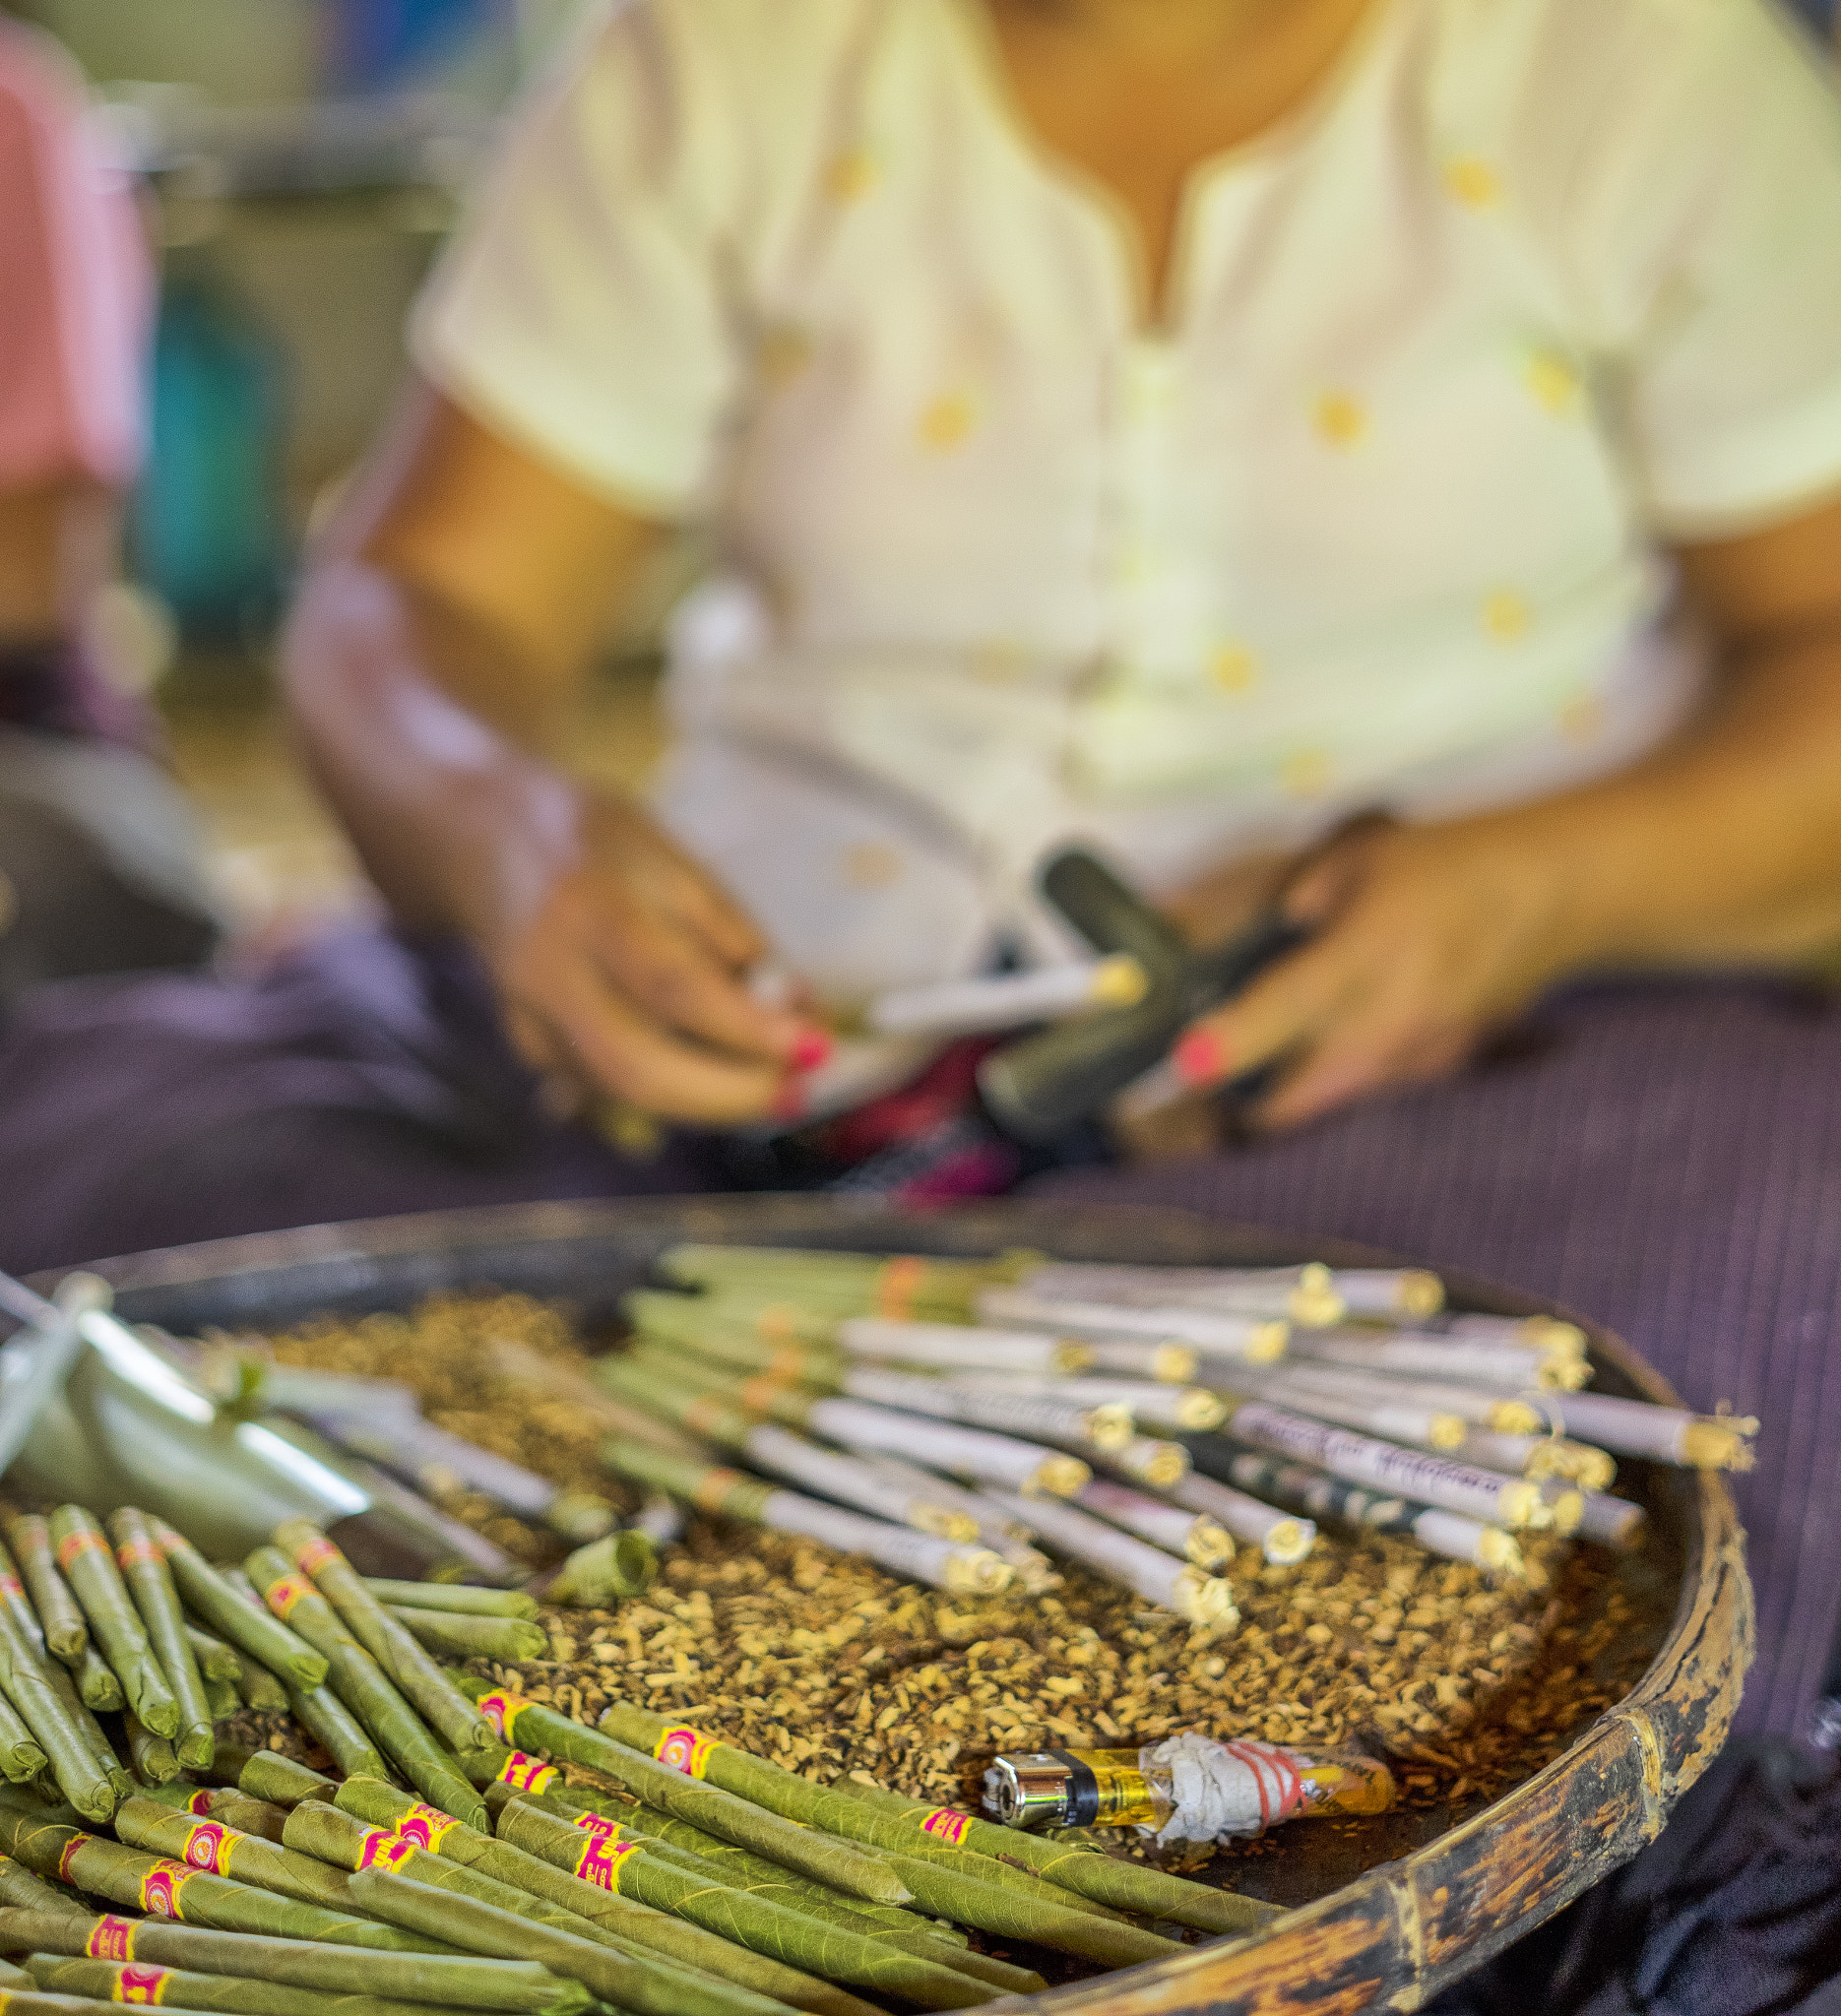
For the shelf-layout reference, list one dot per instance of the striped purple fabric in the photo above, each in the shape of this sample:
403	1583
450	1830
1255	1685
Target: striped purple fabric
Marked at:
1665	1159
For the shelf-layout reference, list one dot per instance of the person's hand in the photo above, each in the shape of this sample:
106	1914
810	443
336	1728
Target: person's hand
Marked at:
622	968
1427	938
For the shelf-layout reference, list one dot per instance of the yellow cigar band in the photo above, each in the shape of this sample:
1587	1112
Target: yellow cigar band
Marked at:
424	1827
162	1888
601	1861
898	1285
947	1824
311	1555
209	1847
502	1711
381	1851
143	1984
284	1592
112	1938
525	1774
134	1552
76	1542
701	1412
713	1487
684	1749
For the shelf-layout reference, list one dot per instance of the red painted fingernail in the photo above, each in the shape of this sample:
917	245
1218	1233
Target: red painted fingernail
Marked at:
810	1048
1200	1058
789	1102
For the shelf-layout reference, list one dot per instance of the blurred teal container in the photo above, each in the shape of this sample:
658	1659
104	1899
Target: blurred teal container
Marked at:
209	529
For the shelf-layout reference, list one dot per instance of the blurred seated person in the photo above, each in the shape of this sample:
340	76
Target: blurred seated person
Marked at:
1177	426
98	863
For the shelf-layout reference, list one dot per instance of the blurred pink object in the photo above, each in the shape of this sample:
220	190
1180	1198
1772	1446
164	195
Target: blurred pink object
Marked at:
77	286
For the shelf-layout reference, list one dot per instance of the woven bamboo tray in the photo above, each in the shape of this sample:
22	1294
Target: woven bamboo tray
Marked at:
1399	1906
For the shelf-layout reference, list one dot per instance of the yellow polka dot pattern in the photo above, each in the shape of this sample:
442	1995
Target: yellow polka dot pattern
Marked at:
1233	669
1554	383
1506	616
1307	773
1472	182
947	422
1340	418
849	177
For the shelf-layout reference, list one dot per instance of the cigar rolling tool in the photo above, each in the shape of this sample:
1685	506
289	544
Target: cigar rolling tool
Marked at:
1042	1084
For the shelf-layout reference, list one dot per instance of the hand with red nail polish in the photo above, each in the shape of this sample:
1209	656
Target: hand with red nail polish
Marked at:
1426	939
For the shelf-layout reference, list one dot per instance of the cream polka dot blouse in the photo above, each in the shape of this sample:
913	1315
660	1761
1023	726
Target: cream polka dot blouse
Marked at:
1371	509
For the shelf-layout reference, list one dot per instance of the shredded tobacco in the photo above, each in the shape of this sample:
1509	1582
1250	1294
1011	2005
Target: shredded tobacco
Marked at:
831	1666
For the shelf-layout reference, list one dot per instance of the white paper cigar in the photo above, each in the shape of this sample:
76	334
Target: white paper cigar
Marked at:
1199	1539
1431	1478
1471	1362
1282	1536
1535	1333
920	1556
1149	1460
1254	1340
1158	1578
959	1343
1539	1456
1135	1357
1479	1406
1611	1522
1103	1426
1153	1405
1459	1538
1296	1294
1008	1538
1638	1427
853	1483
944	1445
1397	1421
1565	1503
1008	1000
1310	1293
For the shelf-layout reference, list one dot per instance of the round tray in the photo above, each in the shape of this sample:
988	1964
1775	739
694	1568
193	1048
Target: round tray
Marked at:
1399	1906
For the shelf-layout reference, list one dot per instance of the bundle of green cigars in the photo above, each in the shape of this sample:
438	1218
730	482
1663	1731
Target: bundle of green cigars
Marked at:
469	1848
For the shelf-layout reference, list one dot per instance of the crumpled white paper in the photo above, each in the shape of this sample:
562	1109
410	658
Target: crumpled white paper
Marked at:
1227	1790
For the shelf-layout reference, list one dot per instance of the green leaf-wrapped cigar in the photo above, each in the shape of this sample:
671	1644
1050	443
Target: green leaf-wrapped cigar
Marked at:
404	1664
21	1759
170	1889
148	1580
455	1596
222	1699
360	1682
257	1687
213	1844
1078	1866
16	1603
280	1782
217	1660
456	1982
717	1861
26	1685
154	1760
242	1621
65	1632
20	1890
83	1553
338	1733
797	1798
116	1981
452	1857
810	1944
457	1636
647	1987
248	1816
1043	1918
598	1880
97	1684
721	1813
35	2002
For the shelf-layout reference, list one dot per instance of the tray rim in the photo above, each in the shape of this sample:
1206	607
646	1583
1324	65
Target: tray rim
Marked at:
1402	1929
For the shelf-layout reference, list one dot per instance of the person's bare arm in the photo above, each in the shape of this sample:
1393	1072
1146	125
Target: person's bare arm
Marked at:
446	620
1722	848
